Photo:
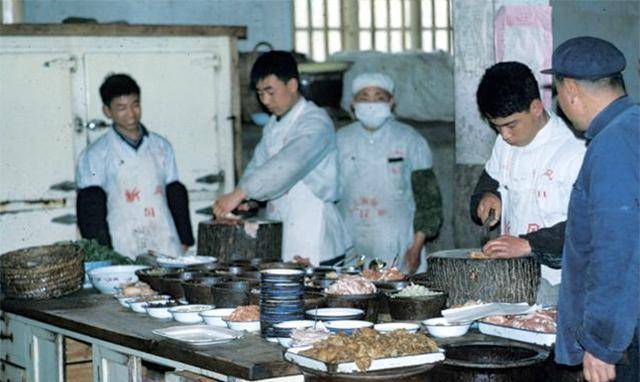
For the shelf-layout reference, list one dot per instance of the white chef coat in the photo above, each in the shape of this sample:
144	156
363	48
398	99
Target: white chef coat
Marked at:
375	183
536	180
134	181
294	167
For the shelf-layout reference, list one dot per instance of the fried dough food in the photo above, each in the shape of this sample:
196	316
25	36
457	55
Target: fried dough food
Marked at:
367	344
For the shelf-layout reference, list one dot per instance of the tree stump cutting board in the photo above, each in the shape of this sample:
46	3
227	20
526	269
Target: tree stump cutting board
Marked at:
248	239
489	280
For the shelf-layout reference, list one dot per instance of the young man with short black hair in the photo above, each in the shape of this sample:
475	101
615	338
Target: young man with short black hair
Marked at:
294	166
528	178
129	195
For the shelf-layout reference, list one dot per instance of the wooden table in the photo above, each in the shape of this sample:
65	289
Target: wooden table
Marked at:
120	339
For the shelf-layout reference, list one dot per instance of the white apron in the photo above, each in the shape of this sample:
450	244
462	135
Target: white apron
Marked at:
138	215
377	203
522	211
311	226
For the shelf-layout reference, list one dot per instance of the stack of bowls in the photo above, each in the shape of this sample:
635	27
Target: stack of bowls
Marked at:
281	298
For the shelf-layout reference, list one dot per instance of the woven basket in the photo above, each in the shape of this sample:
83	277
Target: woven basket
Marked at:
42	272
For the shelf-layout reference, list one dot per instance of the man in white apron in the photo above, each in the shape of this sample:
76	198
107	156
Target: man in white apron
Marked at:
528	179
294	166
129	196
381	163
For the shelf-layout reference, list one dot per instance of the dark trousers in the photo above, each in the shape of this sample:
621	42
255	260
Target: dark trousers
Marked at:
628	369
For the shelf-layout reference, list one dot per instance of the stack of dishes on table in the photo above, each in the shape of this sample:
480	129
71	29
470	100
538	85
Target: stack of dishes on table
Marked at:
281	299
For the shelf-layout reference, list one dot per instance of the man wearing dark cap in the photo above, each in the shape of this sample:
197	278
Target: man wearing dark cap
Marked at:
598	310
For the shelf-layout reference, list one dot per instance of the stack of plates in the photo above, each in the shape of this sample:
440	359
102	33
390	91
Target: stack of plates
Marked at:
281	298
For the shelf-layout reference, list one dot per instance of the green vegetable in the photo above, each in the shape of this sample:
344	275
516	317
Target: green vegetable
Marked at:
93	251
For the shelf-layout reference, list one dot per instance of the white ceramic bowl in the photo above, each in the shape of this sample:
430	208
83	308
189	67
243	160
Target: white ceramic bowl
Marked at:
333	314
124	300
249	326
107	279
347	326
441	328
189	314
391	326
139	304
295	324
161	312
213	317
284	341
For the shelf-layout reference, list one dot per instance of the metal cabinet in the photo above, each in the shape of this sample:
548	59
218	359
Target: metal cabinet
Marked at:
50	109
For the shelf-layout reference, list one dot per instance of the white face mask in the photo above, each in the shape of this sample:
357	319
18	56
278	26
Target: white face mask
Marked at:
372	114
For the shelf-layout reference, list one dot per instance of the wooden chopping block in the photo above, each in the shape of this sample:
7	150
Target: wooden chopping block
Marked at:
245	240
489	280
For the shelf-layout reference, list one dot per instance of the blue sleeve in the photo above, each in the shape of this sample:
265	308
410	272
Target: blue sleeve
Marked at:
612	294
304	150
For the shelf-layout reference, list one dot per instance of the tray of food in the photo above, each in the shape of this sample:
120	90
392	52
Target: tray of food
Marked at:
198	335
537	328
367	350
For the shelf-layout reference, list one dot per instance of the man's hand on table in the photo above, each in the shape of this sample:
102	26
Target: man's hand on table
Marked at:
506	247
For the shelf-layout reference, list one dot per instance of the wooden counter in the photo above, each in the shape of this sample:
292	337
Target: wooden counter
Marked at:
101	317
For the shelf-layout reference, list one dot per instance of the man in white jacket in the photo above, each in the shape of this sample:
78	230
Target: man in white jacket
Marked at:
528	179
294	166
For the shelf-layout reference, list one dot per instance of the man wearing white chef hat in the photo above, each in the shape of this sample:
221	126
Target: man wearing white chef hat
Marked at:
389	193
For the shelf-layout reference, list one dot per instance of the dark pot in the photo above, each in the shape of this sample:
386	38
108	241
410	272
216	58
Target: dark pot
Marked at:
489	361
152	277
416	308
322	283
198	290
250	275
232	293
239	269
314	300
369	303
171	283
207	267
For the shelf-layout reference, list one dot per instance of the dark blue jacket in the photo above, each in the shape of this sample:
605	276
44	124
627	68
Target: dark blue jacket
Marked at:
599	305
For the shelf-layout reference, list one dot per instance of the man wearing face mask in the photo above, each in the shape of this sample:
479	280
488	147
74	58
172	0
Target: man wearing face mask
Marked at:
390	197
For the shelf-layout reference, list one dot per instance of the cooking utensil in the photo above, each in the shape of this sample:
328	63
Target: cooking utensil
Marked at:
487	227
395	260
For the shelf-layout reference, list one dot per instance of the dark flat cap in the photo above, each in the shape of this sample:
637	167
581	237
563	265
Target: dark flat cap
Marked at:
586	58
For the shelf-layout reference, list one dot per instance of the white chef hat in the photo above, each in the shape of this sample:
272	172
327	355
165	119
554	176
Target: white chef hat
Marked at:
366	80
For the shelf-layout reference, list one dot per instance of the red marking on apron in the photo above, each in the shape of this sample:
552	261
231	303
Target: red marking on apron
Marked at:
532	227
542	194
150	212
132	195
158	190
381	212
549	174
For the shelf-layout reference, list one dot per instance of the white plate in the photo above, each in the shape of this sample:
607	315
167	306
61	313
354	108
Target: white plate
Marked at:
334	313
391	326
293	355
198	334
184	261
524	335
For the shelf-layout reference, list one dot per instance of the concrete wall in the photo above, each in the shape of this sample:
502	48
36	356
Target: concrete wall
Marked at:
267	20
615	21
